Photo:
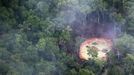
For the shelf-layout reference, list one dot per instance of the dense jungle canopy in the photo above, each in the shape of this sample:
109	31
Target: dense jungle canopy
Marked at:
42	37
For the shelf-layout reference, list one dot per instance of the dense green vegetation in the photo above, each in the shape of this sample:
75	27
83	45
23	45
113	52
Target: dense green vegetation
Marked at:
36	40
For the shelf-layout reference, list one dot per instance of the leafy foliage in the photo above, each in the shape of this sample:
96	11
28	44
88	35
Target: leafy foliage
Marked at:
92	52
37	37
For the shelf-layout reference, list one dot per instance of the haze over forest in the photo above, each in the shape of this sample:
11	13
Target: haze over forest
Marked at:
43	37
